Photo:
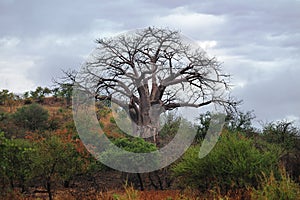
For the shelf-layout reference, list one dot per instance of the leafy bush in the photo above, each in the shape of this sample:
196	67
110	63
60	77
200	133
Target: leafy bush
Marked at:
114	157
32	117
170	125
233	163
15	162
136	145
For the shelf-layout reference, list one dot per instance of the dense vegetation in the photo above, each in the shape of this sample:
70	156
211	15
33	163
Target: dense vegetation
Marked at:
41	154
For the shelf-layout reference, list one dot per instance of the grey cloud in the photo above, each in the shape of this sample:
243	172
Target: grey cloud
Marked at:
33	18
51	67
259	41
274	98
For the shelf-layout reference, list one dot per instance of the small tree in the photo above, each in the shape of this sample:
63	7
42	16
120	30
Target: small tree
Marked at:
282	133
8	99
241	121
15	162
27	98
46	91
55	162
37	94
286	135
64	91
3	96
32	117
203	125
235	121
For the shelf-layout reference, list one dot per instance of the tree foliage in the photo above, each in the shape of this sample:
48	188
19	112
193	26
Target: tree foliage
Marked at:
135	145
233	163
32	117
8	99
15	162
55	161
235	121
283	133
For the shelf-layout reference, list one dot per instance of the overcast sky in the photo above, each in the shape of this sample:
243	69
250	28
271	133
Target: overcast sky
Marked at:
257	41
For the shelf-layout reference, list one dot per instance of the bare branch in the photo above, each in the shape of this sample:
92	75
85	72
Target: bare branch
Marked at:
153	67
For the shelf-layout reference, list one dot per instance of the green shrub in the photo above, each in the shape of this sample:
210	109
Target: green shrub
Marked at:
272	188
15	162
135	145
112	120
32	117
233	163
170	126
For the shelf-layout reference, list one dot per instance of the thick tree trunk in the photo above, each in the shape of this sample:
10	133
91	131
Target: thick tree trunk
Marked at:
145	115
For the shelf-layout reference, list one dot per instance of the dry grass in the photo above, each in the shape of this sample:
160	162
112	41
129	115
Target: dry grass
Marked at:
129	193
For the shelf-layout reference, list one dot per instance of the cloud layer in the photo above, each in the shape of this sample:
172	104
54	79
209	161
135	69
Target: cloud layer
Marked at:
258	42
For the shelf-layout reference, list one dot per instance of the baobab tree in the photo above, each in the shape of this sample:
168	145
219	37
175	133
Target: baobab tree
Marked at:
150	71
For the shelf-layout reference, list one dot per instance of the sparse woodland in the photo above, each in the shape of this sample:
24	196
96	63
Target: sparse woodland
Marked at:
42	156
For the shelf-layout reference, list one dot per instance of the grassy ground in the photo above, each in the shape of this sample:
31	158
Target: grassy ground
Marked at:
129	193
